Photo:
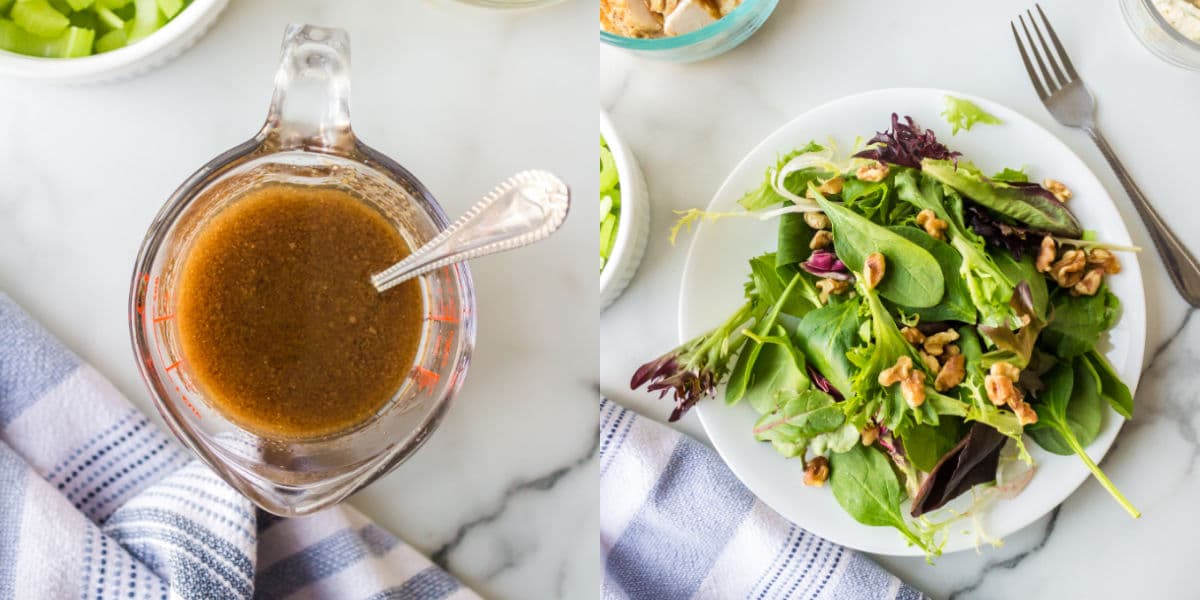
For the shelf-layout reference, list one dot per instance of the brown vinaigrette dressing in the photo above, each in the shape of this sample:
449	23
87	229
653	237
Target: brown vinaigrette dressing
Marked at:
278	320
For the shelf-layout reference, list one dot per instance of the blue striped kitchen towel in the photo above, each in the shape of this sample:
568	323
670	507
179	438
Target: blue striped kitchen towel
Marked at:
97	502
675	523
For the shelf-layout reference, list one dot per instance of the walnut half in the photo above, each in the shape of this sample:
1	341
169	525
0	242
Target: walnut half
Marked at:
816	471
935	227
952	373
875	171
873	270
831	286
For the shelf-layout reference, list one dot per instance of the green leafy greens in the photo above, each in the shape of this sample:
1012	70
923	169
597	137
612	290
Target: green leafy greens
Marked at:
963	114
902	334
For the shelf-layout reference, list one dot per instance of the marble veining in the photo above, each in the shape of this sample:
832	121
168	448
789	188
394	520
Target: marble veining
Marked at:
503	494
690	125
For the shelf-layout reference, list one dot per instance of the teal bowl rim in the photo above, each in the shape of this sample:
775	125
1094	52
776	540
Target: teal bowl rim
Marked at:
682	41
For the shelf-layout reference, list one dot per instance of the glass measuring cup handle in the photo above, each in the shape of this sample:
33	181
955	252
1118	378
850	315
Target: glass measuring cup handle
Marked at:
310	108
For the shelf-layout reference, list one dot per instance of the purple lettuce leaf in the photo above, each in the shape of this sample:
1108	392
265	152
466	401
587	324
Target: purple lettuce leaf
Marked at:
906	144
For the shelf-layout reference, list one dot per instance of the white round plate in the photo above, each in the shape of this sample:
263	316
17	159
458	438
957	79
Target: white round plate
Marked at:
717	266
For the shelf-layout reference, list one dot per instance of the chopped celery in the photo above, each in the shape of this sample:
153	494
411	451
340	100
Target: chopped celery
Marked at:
608	236
85	20
39	18
610	202
109	18
145	19
76	42
73	42
73	28
111	41
170	8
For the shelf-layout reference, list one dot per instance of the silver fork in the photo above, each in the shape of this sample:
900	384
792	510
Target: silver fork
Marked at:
1071	104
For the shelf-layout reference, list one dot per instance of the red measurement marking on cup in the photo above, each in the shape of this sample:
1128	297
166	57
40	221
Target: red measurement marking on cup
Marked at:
444	346
425	378
444	318
189	405
158	330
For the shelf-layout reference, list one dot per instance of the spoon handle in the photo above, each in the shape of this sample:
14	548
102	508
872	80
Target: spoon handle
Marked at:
521	210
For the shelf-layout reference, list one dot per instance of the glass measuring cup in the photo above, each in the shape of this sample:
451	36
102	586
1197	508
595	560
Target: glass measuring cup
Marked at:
306	141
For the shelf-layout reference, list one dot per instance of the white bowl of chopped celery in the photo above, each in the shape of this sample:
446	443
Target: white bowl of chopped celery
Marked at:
624	214
97	40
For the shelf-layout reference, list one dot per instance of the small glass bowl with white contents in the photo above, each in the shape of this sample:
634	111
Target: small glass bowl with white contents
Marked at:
1170	29
681	30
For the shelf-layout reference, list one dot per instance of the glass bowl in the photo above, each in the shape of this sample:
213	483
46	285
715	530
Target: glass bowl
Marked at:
1159	36
702	44
511	3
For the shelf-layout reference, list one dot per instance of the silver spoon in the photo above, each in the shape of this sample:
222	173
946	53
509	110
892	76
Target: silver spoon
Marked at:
523	209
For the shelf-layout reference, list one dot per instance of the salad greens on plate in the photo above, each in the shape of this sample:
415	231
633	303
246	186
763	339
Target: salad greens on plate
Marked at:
918	323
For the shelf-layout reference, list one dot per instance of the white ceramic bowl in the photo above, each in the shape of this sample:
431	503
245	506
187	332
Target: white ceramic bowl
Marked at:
634	226
168	42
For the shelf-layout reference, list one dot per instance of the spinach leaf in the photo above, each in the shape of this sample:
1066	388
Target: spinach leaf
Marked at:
1078	321
743	370
866	487
826	335
969	463
778	368
839	440
1072	396
926	444
769	285
794	237
1111	387
956	304
765	195
912	278
1069	412
989	287
1026	204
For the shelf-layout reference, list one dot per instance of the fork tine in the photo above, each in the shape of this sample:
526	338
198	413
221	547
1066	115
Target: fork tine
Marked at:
1051	85
1033	78
1062	52
1049	52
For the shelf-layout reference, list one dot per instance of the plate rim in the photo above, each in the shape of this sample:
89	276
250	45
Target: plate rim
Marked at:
1097	450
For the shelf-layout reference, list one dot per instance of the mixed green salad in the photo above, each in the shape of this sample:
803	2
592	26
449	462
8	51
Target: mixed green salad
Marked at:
74	28
916	319
610	203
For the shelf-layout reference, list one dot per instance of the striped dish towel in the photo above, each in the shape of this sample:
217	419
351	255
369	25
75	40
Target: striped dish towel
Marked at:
675	523
97	502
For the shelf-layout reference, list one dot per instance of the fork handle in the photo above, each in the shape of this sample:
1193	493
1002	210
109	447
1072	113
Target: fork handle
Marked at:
1181	265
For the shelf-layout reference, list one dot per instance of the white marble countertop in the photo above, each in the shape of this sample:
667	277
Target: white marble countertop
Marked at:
689	125
504	492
